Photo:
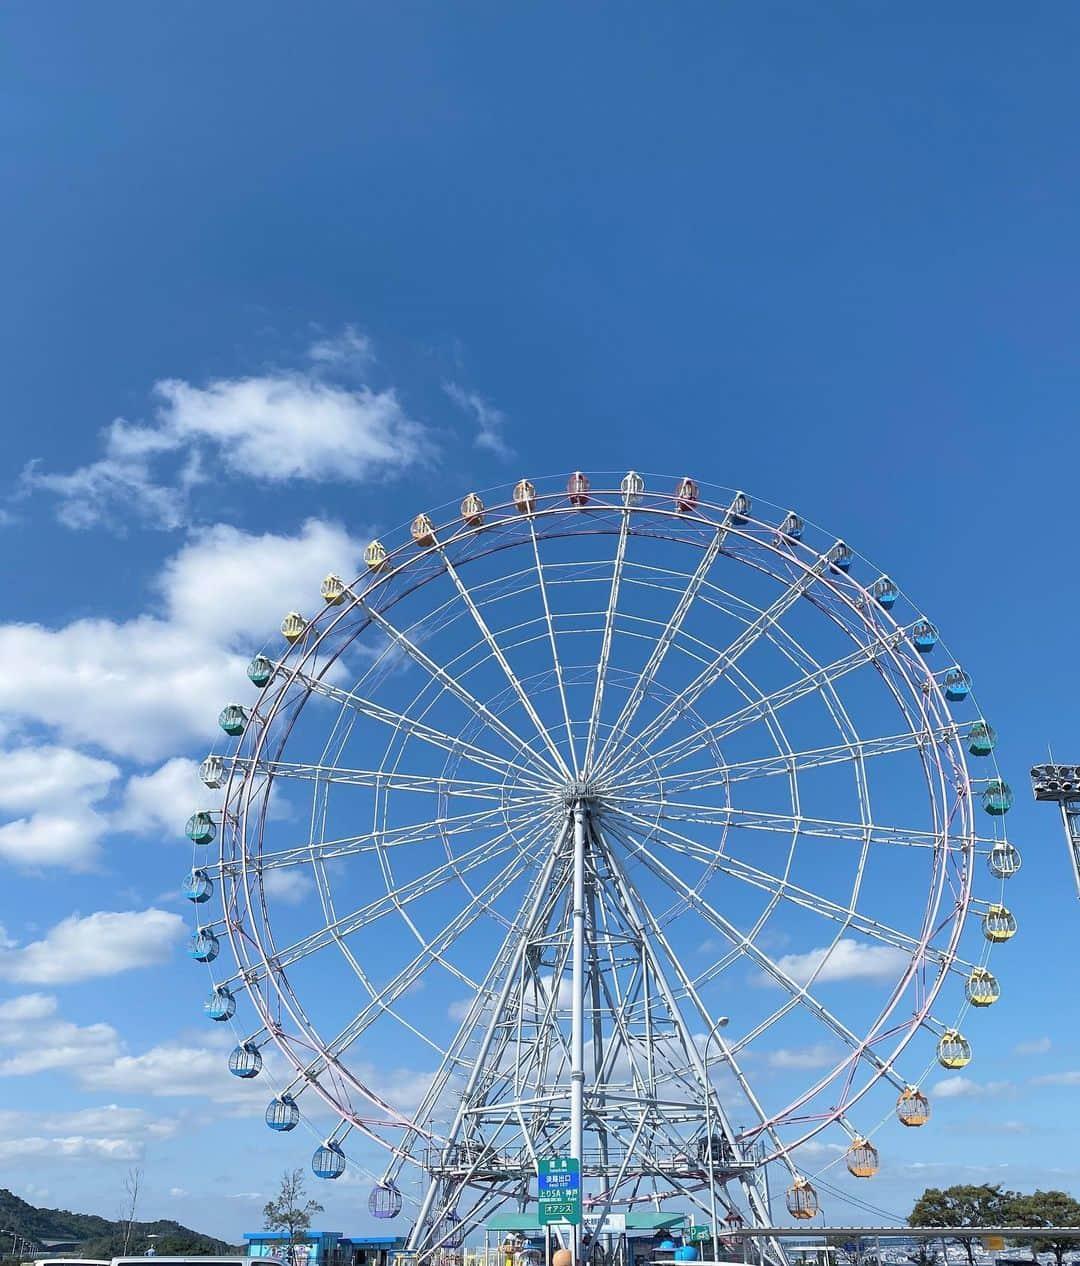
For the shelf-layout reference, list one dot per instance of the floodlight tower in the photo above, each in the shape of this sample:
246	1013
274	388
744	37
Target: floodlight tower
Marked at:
1061	783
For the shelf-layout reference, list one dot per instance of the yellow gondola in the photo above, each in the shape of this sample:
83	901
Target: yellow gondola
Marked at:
293	626
524	496
333	590
982	988
801	1200
472	510
375	556
953	1050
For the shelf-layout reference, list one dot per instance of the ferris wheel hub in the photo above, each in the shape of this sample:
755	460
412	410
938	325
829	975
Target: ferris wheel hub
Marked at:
581	791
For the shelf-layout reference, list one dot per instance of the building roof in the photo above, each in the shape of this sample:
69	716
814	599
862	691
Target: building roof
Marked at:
526	1223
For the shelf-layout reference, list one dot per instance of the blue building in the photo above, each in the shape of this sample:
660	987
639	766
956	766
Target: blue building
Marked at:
326	1248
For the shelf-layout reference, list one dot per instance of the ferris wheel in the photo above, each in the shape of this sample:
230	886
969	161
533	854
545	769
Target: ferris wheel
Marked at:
628	824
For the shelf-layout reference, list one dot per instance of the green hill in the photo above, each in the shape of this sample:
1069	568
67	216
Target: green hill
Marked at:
100	1237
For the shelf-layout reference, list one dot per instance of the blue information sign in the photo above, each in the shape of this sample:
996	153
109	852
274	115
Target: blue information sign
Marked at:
558	1189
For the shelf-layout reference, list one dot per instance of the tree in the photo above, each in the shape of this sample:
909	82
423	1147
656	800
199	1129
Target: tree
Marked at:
130	1205
963	1206
289	1212
1047	1208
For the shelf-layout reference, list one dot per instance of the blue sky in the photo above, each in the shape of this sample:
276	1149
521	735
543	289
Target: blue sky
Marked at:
825	255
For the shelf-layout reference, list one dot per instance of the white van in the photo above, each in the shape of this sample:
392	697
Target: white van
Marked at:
209	1260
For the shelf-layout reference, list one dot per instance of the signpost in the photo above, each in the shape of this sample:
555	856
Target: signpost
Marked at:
559	1190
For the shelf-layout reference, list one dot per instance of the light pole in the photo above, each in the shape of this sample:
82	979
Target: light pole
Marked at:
1061	784
720	1024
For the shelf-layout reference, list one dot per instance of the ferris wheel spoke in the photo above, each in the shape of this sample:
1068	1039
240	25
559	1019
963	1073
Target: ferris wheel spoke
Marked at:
786	763
801	993
645	915
793	893
560	765
788	823
727	658
556	661
380	779
818	678
420	730
433	951
396	899
389	837
460	692
605	644
660	649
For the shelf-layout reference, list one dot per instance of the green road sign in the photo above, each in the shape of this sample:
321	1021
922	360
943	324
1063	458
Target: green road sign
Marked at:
558	1188
698	1234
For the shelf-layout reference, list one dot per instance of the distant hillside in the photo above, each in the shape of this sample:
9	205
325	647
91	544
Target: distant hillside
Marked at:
100	1236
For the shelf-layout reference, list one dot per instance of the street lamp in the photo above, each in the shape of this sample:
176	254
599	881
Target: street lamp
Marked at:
721	1023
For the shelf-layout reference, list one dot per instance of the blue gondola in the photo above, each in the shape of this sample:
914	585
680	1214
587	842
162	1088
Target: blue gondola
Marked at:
982	738
282	1113
246	1061
840	557
740	509
924	635
885	593
957	685
328	1161
792	527
204	946
233	718
221	1005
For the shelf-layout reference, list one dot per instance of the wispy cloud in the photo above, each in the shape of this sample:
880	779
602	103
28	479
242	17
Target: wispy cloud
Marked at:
1037	1046
489	420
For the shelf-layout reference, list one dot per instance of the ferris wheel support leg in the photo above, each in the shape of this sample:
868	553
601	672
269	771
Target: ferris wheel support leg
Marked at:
577	1020
538	892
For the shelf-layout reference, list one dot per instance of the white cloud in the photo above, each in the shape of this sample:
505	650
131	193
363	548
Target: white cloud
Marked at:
960	1087
819	1056
56	788
175	1069
34	777
286	886
489	420
1037	1046
100	944
243	583
53	839
848	959
162	800
72	1148
274	427
459	1009
177	1192
35	1039
143	687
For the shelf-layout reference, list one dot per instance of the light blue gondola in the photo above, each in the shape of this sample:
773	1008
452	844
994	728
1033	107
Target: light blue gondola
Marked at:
282	1113
197	886
246	1061
982	738
328	1161
204	946
221	1005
